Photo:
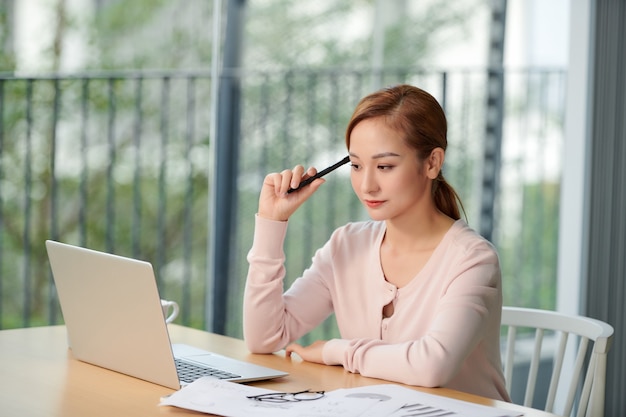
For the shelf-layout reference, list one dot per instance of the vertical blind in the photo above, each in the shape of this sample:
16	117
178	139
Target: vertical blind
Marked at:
606	288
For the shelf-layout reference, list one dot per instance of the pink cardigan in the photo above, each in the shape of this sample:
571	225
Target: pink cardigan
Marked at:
445	329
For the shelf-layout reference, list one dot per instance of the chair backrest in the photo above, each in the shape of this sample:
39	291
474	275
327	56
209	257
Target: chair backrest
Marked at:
584	330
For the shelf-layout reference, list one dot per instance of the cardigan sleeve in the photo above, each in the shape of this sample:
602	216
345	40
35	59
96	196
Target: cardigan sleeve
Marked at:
271	319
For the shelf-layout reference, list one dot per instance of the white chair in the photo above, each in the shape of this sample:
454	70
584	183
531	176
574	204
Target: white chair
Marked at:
584	329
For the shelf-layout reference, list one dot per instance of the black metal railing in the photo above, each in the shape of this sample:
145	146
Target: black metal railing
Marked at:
121	161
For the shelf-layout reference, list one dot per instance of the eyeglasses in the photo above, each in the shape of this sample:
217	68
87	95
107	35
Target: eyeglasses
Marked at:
284	397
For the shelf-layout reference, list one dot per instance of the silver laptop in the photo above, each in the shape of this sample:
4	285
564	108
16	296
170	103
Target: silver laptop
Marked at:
112	310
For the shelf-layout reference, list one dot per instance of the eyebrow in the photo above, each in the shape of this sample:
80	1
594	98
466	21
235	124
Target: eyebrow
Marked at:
379	155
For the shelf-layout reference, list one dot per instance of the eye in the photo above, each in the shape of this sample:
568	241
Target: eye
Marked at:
355	167
385	167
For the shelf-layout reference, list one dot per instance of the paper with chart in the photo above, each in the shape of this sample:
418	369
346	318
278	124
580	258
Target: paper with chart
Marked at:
229	399
417	403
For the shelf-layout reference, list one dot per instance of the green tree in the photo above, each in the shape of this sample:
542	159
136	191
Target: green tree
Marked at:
129	123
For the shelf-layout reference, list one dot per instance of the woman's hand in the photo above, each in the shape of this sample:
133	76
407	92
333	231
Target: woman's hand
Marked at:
275	203
311	353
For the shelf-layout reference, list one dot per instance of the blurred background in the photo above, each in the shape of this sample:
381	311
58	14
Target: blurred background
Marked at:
118	134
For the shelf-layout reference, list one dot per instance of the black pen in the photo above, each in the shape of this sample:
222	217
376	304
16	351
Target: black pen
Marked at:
320	174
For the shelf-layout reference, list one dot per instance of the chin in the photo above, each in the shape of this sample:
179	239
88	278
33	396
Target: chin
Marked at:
376	214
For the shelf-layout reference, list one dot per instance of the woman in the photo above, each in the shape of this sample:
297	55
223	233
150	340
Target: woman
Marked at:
416	293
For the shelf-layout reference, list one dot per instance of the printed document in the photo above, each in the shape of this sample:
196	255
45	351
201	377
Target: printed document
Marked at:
229	399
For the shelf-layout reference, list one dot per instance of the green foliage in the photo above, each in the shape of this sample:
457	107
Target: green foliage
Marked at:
7	55
339	33
107	171
529	260
148	34
123	164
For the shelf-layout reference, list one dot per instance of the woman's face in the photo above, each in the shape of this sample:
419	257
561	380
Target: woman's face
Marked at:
386	174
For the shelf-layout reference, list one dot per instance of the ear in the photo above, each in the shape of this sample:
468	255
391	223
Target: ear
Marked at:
435	162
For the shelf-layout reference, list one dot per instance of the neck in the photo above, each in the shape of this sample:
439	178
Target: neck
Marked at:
417	232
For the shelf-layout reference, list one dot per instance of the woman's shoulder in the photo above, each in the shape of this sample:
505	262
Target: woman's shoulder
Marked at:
360	229
468	239
360	234
353	238
467	250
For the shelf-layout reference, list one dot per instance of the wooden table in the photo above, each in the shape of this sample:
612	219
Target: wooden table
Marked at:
39	377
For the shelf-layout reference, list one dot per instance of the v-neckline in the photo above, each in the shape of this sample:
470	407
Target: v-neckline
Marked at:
427	264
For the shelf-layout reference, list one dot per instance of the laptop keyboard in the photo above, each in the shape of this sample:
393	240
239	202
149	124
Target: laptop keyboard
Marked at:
189	372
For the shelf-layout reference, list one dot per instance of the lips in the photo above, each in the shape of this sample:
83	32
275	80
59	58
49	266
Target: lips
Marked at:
374	203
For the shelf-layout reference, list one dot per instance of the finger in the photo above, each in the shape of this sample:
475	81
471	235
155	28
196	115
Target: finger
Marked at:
298	175
311	172
285	179
273	181
306	179
292	348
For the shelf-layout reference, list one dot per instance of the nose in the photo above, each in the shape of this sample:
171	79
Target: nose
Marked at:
369	185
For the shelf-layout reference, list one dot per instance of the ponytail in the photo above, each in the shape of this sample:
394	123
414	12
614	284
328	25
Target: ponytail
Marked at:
446	199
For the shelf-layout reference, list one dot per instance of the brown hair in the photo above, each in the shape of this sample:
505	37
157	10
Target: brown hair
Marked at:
419	117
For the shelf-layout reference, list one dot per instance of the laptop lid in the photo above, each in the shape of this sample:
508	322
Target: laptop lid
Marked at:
112	310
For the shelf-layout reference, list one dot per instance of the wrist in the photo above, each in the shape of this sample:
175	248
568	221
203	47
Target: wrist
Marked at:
271	217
